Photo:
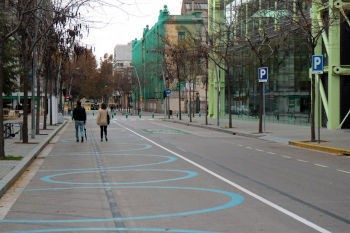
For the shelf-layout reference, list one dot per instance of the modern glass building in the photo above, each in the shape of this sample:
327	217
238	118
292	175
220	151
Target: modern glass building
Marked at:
273	34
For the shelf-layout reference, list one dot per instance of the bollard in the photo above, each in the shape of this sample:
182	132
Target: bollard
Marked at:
126	116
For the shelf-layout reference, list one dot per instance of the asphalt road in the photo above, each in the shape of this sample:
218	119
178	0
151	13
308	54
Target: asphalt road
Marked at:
155	176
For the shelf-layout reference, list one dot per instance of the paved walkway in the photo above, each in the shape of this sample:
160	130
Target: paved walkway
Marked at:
333	141
10	170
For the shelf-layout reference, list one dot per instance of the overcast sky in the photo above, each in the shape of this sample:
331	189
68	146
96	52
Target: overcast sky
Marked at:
123	22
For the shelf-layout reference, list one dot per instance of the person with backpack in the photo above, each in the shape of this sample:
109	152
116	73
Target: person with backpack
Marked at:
79	116
103	120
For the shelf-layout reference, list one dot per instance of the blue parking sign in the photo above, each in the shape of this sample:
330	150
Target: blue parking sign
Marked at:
317	64
263	74
167	91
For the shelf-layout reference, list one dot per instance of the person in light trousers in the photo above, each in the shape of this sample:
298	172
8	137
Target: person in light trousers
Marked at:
103	121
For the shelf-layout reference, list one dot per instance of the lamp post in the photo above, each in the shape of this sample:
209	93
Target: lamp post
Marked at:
140	92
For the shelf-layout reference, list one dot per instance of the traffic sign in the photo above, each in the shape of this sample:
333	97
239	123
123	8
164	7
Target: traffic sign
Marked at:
167	91
317	64
263	74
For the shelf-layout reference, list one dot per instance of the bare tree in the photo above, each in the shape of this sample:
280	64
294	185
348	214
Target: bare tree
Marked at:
313	27
264	40
22	18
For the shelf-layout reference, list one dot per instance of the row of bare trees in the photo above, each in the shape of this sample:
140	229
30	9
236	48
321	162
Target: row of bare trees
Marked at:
262	32
39	41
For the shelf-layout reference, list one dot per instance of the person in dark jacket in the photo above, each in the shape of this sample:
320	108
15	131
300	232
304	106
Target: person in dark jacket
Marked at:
79	116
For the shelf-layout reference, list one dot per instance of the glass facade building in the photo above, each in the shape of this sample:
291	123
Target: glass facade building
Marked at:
283	36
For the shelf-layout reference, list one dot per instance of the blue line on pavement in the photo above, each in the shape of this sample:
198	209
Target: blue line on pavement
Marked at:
168	159
113	229
49	178
235	199
144	147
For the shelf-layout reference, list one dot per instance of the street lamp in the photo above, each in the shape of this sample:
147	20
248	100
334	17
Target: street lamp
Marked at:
140	93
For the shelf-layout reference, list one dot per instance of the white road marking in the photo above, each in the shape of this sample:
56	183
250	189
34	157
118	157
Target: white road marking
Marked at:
286	157
271	153
237	186
303	161
259	150
320	165
339	170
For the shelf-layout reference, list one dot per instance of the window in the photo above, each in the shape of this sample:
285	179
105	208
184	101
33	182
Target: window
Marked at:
181	35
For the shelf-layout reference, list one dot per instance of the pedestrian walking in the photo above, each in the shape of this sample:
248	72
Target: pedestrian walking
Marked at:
79	116
103	120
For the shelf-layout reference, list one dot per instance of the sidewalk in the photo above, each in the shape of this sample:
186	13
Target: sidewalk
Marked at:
10	170
332	141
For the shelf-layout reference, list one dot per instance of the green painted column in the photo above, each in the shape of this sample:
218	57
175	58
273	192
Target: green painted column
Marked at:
318	51
215	74
334	61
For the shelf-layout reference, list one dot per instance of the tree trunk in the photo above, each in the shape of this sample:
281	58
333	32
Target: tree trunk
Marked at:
2	142
193	100
38	109
50	102
206	101
229	98
190	104
25	78
45	101
178	78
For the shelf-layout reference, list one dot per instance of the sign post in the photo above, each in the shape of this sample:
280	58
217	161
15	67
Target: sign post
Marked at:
263	75
316	69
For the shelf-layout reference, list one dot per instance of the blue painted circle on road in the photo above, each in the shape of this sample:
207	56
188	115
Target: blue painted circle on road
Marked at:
49	178
234	200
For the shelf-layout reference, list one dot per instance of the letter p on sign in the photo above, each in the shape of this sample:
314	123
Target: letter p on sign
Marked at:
263	74
317	64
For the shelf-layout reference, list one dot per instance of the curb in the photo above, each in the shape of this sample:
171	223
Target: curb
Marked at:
17	171
216	129
328	149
